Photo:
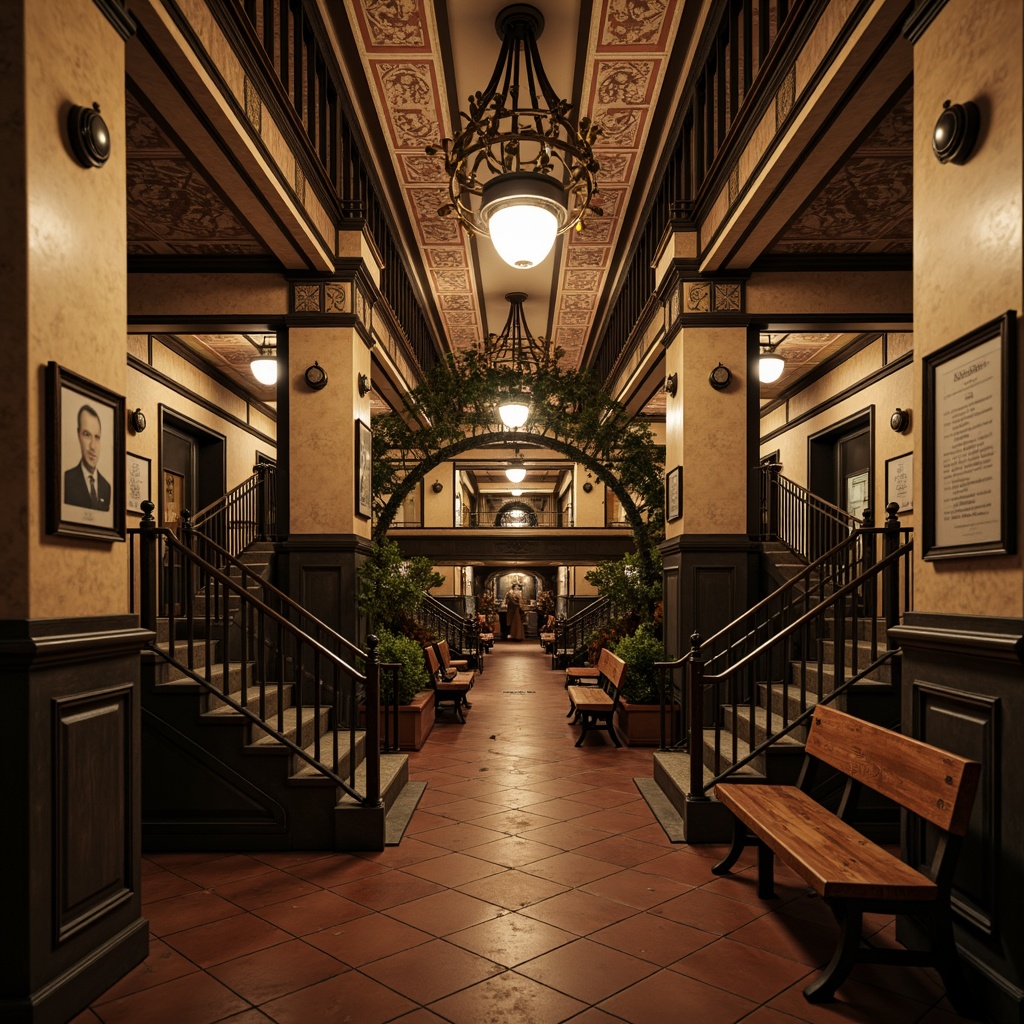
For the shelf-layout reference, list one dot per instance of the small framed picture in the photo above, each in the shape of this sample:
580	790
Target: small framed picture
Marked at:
137	482
899	482
674	494
85	457
364	482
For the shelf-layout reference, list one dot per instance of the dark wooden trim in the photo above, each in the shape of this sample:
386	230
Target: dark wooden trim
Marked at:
47	642
205	403
873	378
797	263
164	264
325	542
116	12
921	18
995	639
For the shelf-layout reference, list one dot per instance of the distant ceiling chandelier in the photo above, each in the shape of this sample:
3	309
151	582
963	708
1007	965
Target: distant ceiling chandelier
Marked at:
770	367
518	351
264	365
520	170
516	471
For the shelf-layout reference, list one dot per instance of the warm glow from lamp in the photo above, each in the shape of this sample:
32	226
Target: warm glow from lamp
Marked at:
516	492
522	230
516	471
514	413
264	369
770	368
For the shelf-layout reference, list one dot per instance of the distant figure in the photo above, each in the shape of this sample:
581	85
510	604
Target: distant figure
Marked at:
83	484
514	613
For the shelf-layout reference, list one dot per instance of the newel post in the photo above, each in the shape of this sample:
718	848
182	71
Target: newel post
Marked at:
891	573
372	700
149	567
695	714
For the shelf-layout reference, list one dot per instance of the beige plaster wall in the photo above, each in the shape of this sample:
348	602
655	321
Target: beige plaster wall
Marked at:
713	449
968	254
143	392
62	252
322	430
439	509
895	390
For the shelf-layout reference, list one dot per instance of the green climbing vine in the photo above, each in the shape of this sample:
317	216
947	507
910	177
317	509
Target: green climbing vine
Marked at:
454	410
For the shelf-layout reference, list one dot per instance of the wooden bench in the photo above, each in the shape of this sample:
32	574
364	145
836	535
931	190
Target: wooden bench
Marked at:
451	692
594	706
850	872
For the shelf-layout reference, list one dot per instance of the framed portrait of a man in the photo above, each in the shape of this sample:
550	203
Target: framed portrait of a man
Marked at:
85	457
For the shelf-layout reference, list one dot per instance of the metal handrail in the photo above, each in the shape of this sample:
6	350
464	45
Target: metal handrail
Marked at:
245	514
229	629
462	634
571	634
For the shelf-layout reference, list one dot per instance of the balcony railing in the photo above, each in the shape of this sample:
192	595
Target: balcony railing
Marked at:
516	519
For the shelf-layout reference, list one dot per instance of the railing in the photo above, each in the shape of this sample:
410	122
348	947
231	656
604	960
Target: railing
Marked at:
572	634
805	523
249	656
516	519
779	650
245	514
462	634
289	38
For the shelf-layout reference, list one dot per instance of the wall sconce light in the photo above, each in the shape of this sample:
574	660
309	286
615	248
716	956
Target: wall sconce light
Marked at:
900	420
137	421
437	487
364	385
316	377
720	377
671	384
89	136
955	132
588	487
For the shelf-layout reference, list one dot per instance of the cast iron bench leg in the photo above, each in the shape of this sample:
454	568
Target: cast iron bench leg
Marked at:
823	989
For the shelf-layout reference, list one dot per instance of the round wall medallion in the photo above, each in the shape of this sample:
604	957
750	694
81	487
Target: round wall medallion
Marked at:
899	420
955	132
720	377
588	487
137	421
89	136
316	377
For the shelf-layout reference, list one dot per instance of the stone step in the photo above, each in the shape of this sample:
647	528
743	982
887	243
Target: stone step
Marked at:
809	672
765	763
313	724
738	719
303	772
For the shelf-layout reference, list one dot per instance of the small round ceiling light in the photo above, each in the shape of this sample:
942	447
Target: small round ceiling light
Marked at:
516	470
955	132
264	365
770	366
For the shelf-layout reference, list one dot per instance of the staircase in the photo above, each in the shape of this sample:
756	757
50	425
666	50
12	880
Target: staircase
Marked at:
745	696
252	709
571	635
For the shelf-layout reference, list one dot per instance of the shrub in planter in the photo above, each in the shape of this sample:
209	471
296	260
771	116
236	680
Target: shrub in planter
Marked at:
640	651
411	677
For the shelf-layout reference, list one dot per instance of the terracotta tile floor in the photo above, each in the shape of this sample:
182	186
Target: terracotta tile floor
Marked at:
532	886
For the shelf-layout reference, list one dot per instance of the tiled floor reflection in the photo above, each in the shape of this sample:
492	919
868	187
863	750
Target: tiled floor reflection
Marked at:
533	886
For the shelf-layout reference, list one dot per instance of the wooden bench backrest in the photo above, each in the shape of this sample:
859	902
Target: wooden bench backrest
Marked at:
928	781
612	669
433	664
445	653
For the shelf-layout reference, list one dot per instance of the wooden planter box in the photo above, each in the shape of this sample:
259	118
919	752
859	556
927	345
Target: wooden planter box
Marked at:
638	725
415	720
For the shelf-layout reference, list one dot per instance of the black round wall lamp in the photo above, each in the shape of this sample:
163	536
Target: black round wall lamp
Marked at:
671	384
137	421
900	421
720	377
588	487
365	387
956	132
316	377
89	136
437	487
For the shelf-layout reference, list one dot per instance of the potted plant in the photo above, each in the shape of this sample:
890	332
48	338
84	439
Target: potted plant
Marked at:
391	588
415	699
637	717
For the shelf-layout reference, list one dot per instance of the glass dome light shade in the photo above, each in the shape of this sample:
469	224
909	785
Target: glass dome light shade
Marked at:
523	214
516	473
514	412
264	369
770	368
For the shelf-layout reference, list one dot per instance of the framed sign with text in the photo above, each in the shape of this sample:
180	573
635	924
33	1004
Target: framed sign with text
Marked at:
970	444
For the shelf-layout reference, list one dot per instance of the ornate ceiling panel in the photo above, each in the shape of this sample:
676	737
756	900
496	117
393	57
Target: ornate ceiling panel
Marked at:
172	209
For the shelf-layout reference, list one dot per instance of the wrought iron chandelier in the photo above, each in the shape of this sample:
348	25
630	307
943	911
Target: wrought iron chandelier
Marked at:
520	171
516	350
